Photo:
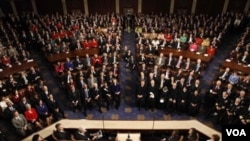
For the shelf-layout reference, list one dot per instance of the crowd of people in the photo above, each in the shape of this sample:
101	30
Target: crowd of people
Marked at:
164	82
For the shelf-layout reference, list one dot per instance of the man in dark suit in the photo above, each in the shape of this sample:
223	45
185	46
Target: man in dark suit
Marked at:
55	108
224	75
81	134
141	94
86	99
78	63
74	97
211	97
96	95
116	93
60	133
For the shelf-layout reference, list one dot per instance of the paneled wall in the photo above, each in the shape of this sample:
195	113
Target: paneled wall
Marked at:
75	6
183	6
101	6
159	6
23	6
128	4
5	6
210	7
49	6
236	5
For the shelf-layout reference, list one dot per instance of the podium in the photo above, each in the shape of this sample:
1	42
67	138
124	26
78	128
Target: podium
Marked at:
132	137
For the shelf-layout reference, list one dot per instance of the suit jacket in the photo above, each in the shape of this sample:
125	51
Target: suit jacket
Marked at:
19	123
74	96
160	62
90	82
80	136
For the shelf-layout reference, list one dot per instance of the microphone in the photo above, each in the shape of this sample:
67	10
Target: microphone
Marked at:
103	122
153	122
153	127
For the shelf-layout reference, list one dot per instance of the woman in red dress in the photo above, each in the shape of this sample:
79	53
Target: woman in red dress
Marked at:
32	116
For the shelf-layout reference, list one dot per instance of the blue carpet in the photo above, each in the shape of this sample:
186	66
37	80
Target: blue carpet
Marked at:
128	110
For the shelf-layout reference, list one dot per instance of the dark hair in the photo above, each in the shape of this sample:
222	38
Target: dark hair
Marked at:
216	137
57	125
35	137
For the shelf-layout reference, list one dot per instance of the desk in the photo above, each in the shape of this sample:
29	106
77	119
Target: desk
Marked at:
17	68
186	54
72	54
124	136
235	66
128	125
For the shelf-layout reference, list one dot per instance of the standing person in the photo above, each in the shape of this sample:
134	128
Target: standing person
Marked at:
96	96
55	108
74	97
116	93
141	94
106	94
194	103
151	95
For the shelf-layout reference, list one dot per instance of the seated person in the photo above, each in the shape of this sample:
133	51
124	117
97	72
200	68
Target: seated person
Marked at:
81	134
37	137
34	75
59	68
21	124
96	61
60	133
174	136
78	63
32	116
234	78
6	61
214	137
97	135
69	65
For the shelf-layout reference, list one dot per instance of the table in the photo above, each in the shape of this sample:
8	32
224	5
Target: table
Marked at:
186	54
17	68
129	125
236	67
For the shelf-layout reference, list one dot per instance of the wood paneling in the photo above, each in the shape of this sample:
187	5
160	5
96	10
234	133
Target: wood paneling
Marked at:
5	6
183	6
49	6
210	7
101	6
159	6
236	5
131	4
23	6
75	6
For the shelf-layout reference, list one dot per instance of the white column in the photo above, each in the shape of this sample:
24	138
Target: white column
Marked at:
117	6
33	3
13	6
64	7
139	6
225	6
193	6
247	6
171	7
86	7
